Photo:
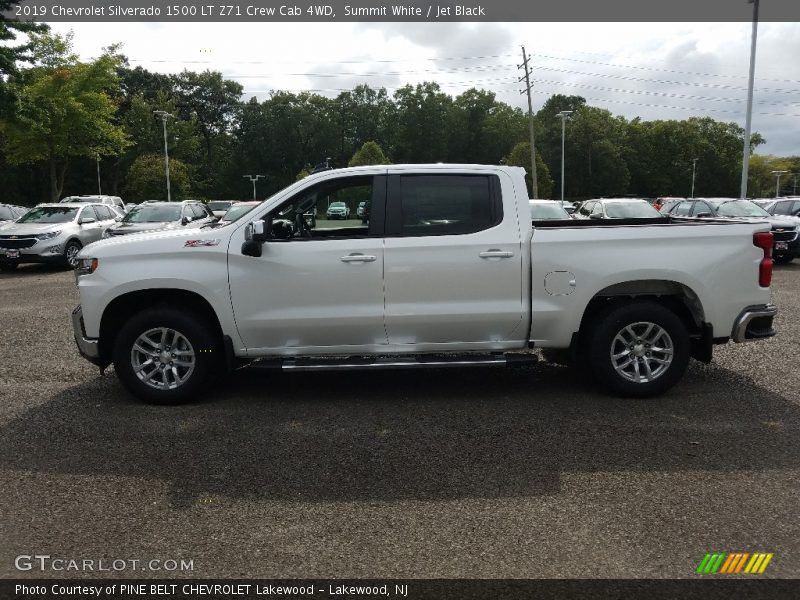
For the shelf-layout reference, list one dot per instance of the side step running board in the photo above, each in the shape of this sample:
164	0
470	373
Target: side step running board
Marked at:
353	363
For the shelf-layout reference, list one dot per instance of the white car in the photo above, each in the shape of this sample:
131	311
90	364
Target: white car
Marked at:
53	233
338	210
452	272
548	210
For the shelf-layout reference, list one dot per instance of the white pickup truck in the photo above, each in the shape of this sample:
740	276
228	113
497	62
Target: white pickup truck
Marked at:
444	267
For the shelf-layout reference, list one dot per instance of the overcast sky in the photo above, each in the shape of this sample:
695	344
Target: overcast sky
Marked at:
651	70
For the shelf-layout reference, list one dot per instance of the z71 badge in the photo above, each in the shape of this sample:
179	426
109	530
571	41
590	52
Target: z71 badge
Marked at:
198	243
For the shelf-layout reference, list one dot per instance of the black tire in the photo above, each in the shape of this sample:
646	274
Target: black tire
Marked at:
8	266
783	259
72	246
207	355
602	340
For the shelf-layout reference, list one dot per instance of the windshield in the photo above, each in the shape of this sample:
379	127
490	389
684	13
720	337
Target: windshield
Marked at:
631	210
153	214
540	210
336	205
219	205
238	211
741	208
49	214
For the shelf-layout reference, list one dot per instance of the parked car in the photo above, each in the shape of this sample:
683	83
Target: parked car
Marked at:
220	207
449	276
152	216
236	212
114	201
360	209
53	233
662	204
547	209
617	208
338	210
10	212
784	229
785	207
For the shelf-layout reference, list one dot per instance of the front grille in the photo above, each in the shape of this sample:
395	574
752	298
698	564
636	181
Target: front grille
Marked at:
786	235
14	244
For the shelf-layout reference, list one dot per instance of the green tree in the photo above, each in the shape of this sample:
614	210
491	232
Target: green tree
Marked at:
147	179
369	154
10	53
521	157
761	182
64	109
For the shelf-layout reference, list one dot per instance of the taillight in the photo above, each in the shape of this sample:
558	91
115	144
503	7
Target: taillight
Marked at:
764	241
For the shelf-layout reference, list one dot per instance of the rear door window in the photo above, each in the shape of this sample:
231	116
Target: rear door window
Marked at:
444	204
682	209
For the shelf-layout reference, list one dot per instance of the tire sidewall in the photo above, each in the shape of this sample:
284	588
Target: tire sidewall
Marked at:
611	321
187	324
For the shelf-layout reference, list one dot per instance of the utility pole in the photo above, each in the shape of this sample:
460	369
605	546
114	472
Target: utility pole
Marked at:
254	178
527	90
749	117
778	182
794	187
694	170
563	115
99	190
164	116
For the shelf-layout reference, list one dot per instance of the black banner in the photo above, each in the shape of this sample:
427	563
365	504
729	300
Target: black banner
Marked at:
413	589
402	11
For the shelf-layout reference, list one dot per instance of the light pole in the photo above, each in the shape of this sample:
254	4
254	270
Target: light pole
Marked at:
254	178
749	116
164	116
694	170
778	182
99	190
563	115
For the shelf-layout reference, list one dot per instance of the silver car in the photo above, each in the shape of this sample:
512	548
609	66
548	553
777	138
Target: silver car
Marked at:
160	216
53	233
114	201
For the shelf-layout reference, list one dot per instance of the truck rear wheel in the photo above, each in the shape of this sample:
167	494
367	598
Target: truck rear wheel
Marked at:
638	349
165	355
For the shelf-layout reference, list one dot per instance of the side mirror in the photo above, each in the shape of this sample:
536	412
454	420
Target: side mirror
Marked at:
255	234
118	219
704	215
595	216
184	220
88	220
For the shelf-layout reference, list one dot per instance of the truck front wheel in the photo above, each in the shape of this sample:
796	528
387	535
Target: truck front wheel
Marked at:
638	349
164	355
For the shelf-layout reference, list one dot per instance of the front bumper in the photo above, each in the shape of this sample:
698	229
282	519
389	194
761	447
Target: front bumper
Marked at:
88	347
754	323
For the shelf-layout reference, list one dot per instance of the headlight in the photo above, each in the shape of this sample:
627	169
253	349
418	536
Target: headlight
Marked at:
47	236
86	266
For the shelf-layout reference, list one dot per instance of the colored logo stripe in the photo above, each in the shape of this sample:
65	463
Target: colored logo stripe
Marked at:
734	562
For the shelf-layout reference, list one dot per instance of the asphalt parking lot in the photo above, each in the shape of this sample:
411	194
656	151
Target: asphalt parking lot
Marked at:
447	473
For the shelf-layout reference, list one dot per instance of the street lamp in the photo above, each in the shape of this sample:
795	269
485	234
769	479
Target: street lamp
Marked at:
749	116
254	178
164	116
778	182
99	190
694	170
563	115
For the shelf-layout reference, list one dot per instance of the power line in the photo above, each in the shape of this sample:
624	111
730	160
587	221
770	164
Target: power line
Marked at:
644	68
667	82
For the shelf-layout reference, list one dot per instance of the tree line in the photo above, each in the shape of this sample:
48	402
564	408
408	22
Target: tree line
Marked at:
62	118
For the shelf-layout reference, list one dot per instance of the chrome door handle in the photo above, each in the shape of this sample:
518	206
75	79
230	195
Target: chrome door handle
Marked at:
496	254
358	258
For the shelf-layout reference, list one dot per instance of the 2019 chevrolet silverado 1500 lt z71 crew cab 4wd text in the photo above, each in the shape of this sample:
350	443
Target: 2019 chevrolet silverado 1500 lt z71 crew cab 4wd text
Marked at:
448	270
